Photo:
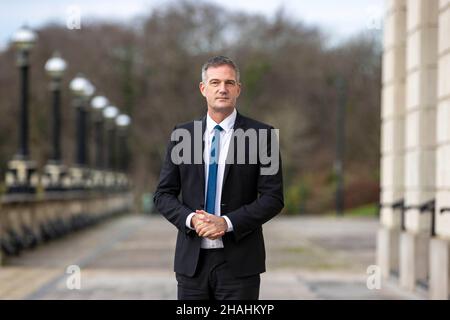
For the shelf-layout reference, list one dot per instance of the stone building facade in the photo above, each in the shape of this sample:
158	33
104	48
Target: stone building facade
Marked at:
414	236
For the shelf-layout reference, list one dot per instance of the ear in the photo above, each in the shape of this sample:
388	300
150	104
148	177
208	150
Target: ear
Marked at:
239	90
202	88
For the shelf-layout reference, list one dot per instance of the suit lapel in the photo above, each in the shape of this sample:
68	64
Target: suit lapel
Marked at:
201	167
238	124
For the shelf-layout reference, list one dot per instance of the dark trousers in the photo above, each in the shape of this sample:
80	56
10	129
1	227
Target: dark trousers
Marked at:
213	280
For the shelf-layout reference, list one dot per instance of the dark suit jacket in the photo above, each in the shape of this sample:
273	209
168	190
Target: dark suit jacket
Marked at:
249	199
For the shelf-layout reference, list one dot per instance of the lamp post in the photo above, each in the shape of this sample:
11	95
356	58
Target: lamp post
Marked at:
54	171
340	146
21	176
110	113
123	122
99	103
81	88
87	94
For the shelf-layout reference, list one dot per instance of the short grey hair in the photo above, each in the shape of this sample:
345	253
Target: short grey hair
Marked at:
219	61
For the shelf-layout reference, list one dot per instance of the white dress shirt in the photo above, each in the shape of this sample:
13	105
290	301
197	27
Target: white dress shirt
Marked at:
225	136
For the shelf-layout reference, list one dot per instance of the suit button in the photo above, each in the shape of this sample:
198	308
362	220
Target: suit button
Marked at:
223	204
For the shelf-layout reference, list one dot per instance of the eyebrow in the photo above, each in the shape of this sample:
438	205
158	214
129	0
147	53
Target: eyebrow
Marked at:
227	80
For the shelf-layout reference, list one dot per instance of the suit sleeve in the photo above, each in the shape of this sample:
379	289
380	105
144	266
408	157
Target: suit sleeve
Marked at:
166	194
268	204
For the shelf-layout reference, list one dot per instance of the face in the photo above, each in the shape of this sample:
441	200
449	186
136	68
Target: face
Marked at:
221	89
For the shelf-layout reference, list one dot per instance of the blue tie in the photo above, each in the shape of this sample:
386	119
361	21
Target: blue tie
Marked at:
212	171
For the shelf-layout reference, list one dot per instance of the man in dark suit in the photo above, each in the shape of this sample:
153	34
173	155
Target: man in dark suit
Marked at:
228	191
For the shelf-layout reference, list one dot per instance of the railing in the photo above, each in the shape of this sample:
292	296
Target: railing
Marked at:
400	204
27	220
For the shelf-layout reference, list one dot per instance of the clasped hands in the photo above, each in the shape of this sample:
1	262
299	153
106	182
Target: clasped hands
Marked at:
208	225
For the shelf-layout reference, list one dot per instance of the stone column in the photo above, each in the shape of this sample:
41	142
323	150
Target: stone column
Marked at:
392	132
420	140
2	215
440	244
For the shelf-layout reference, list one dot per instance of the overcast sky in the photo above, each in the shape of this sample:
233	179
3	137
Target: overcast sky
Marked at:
340	19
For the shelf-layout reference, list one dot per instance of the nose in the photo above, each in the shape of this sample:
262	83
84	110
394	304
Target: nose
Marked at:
222	88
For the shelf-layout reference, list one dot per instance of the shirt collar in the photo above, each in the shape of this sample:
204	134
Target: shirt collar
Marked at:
227	123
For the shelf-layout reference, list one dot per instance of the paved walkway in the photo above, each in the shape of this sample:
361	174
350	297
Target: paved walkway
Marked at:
131	257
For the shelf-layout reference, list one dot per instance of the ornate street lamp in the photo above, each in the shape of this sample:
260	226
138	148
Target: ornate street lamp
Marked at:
89	91
123	122
110	113
340	145
54	172
81	90
99	103
21	176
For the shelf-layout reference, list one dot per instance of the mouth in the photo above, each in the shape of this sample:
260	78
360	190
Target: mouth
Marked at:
222	98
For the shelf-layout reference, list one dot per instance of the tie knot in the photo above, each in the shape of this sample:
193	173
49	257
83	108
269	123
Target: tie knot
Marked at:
217	127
